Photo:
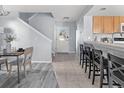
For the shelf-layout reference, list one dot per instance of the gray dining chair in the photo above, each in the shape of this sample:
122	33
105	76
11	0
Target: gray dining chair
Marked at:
23	61
3	61
28	57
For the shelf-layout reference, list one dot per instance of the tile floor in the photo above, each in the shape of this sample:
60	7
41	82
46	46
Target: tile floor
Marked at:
69	73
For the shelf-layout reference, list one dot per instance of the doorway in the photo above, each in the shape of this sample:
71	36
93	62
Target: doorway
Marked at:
62	39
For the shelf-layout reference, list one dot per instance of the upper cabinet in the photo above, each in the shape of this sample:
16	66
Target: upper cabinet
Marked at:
116	25
98	24
108	24
121	19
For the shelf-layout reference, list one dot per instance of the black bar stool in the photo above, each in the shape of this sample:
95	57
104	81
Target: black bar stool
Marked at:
81	53
116	71
88	55
99	65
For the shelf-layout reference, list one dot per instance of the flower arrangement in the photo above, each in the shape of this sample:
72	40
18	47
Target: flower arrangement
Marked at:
10	38
63	35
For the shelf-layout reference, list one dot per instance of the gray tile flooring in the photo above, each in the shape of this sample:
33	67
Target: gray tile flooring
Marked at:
41	76
69	73
63	72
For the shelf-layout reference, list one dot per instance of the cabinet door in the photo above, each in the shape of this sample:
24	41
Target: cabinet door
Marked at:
121	19
108	24
116	25
97	24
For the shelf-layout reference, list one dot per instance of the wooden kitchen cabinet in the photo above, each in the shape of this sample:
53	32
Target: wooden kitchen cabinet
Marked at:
97	24
116	20
108	24
121	19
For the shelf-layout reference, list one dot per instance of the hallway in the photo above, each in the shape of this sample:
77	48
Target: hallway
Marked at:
69	73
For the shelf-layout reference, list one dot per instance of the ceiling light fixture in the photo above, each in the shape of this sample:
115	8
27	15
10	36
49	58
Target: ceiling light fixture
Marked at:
102	9
65	18
3	12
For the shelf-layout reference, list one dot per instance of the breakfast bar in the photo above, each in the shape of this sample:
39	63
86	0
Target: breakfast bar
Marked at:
116	49
104	57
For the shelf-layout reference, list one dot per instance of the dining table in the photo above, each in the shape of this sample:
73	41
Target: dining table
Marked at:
17	55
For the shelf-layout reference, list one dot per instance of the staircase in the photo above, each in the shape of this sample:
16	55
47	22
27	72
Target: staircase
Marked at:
28	36
42	22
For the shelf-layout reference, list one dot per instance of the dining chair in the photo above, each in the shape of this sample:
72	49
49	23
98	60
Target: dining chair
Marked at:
116	71
100	65
23	61
4	61
28	57
13	62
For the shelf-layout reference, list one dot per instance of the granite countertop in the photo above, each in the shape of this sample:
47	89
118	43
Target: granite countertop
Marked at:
115	49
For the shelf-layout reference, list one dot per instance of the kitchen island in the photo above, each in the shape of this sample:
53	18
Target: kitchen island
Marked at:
115	49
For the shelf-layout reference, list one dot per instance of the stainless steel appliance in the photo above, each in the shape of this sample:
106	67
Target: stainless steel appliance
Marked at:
122	27
118	38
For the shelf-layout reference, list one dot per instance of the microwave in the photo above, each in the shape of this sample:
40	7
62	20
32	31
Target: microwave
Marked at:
122	27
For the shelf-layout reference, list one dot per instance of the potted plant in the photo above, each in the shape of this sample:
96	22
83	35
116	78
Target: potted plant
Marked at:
9	39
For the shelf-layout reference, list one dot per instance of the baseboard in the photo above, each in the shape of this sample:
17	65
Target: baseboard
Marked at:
67	52
41	61
72	52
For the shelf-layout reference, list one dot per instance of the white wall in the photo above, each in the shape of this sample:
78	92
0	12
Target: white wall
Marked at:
44	23
84	26
27	36
87	33
72	33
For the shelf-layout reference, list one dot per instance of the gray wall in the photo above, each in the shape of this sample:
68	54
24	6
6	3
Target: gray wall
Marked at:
72	38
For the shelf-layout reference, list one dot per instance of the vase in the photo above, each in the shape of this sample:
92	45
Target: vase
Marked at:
8	47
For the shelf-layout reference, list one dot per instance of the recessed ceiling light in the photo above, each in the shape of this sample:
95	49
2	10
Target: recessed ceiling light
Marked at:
65	18
102	9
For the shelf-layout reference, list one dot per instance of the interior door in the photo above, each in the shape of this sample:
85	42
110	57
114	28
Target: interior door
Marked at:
63	39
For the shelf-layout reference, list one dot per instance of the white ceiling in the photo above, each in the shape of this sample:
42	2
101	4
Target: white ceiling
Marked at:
58	11
111	10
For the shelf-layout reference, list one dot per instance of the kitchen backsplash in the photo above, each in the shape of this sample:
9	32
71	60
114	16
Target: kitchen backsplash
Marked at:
99	36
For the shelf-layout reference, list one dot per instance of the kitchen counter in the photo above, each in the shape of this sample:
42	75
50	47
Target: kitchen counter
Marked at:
116	49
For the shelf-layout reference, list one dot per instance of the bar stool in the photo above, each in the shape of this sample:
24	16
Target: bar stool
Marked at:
88	63
99	65
116	71
81	53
